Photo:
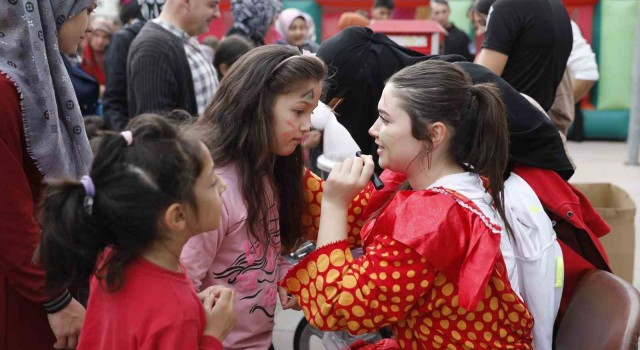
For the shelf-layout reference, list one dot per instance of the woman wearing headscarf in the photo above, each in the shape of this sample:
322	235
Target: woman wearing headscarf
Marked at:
253	18
293	27
42	136
362	61
95	49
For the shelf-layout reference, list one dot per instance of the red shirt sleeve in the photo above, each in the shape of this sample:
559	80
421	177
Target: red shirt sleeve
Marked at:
209	342
19	231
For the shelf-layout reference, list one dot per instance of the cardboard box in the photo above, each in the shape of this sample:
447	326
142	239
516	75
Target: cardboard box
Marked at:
618	209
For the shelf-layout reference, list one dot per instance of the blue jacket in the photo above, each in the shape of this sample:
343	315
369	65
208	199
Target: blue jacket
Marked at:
87	88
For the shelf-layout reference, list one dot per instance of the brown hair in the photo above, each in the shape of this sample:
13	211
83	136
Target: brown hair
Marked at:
475	114
240	130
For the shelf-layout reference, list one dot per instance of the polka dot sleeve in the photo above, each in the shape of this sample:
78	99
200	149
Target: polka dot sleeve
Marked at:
313	186
362	295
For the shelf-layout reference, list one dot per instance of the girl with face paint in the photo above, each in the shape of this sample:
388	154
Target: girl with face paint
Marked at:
254	128
41	137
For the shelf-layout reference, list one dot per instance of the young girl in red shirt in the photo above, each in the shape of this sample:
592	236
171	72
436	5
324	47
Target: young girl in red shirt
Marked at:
150	189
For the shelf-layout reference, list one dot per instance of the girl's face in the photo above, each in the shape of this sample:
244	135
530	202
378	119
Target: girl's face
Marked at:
292	116
99	41
297	33
207	190
397	148
74	30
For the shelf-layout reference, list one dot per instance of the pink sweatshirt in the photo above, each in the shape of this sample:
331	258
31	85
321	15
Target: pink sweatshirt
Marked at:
230	256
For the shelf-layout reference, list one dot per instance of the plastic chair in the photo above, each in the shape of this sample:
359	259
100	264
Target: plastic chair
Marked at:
604	313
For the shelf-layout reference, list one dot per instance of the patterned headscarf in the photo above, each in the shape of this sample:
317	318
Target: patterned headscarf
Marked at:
254	17
150	9
29	56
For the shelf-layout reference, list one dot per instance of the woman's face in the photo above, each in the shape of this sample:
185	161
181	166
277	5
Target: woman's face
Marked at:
74	30
397	148
99	41
297	32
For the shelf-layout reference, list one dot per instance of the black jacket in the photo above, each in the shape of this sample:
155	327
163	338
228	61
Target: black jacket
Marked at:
115	106
158	73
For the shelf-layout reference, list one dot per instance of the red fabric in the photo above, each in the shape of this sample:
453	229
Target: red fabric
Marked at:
21	282
466	258
393	285
90	64
155	309
384	344
568	204
312	188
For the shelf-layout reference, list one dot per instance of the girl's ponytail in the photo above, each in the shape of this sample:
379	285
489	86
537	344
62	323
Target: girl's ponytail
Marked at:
70	243
489	144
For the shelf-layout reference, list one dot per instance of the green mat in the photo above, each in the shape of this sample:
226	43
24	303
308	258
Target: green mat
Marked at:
459	15
616	39
605	125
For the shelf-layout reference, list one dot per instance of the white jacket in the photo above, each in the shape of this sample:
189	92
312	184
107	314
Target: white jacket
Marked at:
538	256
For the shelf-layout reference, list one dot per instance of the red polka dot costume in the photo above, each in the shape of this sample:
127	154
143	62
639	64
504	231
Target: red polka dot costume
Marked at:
432	271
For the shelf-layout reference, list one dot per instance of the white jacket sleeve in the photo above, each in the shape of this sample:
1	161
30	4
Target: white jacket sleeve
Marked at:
582	63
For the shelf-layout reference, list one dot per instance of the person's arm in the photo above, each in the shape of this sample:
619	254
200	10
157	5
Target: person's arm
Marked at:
20	232
313	191
153	86
582	64
581	88
502	32
493	60
361	295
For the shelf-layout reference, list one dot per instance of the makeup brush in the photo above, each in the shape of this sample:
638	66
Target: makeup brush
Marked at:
377	183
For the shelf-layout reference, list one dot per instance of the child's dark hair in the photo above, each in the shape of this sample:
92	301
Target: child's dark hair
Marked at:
229	50
437	91
383	3
93	125
242	132
133	185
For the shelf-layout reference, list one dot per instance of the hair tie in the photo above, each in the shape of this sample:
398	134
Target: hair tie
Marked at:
128	137
90	191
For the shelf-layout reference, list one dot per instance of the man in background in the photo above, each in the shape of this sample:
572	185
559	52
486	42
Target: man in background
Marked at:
382	9
527	43
456	42
166	69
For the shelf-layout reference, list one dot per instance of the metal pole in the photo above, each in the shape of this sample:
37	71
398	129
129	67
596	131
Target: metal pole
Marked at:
633	141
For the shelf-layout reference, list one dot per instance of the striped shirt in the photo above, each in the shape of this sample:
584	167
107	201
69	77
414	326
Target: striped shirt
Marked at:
205	78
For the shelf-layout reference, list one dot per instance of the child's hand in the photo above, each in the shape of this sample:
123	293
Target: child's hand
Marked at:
312	139
209	290
347	179
220	312
287	300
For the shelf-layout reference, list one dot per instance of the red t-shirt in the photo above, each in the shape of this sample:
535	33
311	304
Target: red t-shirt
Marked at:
155	309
